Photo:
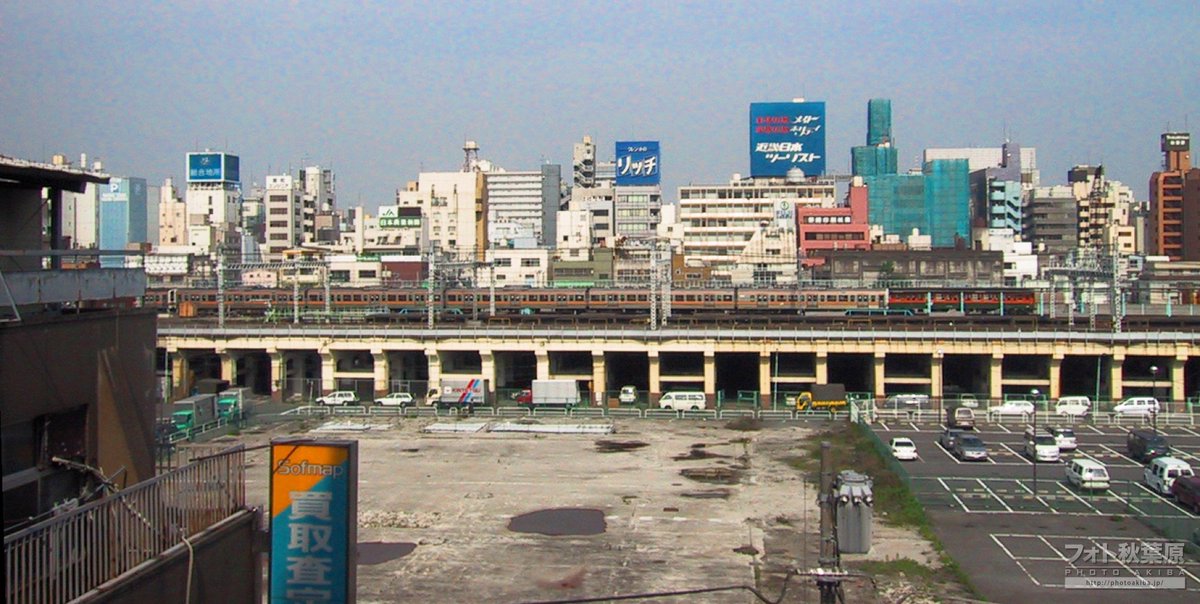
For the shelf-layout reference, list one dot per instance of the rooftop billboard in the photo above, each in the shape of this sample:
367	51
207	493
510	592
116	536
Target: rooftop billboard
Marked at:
785	136
212	167
638	163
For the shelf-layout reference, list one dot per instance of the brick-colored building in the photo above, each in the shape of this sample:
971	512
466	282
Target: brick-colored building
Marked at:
1173	226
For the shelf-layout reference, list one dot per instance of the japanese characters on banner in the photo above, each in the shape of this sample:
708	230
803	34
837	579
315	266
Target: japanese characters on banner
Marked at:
638	163
314	492
785	136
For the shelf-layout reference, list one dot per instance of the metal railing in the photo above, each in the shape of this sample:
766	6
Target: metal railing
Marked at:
66	556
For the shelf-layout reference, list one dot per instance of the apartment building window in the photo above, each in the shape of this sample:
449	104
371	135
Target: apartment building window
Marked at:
279	211
280	224
531	262
366	274
502	262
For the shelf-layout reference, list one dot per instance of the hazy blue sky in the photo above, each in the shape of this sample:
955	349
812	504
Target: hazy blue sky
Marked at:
382	91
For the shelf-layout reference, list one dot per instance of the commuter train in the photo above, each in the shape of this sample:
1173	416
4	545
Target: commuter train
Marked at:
405	302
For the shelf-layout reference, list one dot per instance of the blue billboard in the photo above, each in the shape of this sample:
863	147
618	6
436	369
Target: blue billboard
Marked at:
638	163
212	167
785	136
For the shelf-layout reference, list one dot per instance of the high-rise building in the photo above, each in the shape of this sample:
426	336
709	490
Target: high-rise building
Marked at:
319	199
879	121
454	209
1051	220
947	201
1173	228
1106	209
750	221
878	156
522	205
125	217
935	202
283	201
583	163
172	216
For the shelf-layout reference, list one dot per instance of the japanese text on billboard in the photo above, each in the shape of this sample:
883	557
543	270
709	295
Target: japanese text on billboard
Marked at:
785	136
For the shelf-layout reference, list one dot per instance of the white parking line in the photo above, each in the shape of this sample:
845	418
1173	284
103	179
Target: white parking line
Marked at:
885	427
914	426
1190	431
1003	427
1166	500
993	494
1127	503
1181	567
1014	452
1055	550
1113	556
1035	495
954	495
1120	454
948	454
1081	500
1095	429
1016	561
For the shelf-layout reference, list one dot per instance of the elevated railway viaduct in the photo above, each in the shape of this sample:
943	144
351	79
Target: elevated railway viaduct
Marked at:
749	363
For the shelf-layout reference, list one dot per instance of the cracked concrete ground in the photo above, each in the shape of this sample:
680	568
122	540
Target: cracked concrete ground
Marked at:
434	511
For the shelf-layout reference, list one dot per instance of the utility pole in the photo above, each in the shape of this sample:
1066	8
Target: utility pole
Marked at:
429	289
829	581
221	286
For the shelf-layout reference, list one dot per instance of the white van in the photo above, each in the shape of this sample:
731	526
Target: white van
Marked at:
1161	473
1073	406
1040	447
1087	474
682	401
1137	405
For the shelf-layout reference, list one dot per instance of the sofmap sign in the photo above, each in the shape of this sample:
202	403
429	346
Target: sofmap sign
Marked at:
314	494
638	163
785	136
212	167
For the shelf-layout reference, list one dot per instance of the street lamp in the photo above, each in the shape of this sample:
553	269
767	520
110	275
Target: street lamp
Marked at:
1154	395
1035	394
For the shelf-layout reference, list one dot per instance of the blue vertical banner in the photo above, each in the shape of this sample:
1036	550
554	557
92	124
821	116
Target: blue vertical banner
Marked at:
785	136
314	524
638	163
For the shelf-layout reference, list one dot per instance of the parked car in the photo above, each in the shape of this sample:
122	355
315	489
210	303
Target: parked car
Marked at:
395	399
682	401
1144	445
1137	406
960	417
903	448
968	400
1065	437
628	395
1162	472
948	438
1021	408
339	397
906	401
1186	490
969	447
1040	446
1087	474
524	397
1073	406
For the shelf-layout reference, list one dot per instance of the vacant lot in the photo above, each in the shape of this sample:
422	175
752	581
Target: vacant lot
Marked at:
657	506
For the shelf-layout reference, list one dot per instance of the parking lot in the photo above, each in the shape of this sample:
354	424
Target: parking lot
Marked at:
1013	525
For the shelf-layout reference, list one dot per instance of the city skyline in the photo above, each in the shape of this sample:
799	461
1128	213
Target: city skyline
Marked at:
381	93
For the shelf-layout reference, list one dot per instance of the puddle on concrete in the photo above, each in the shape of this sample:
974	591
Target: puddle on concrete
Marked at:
749	550
409	450
618	446
698	451
378	552
717	475
670	509
707	494
560	521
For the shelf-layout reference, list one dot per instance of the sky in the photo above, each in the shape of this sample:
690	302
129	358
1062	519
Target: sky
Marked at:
382	91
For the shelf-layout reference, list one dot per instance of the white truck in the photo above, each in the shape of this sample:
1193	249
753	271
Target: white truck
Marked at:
556	393
459	393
